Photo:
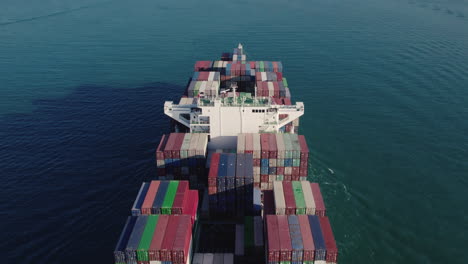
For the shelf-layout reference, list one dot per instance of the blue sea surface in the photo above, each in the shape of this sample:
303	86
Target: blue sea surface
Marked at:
384	83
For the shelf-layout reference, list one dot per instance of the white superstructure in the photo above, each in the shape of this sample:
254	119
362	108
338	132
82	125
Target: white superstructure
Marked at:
223	116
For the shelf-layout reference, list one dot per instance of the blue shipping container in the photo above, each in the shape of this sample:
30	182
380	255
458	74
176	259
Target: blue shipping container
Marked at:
119	252
136	208
158	200
296	238
134	239
320	250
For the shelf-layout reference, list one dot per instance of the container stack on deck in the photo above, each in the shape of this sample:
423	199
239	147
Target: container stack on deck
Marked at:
230	184
160	228
182	156
276	157
297	197
299	239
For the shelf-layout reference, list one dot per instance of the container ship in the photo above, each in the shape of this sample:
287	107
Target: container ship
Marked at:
232	179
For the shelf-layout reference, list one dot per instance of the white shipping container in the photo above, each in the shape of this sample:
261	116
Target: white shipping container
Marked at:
208	258
160	163
239	250
197	258
193	145
264	186
241	143
224	64
234	57
256	170
308	197
280	146
288	170
271	178
271	89
270	186
202	145
256	177
280	204
155	262
211	76
244	57
258	231
256	145
272	163
264	76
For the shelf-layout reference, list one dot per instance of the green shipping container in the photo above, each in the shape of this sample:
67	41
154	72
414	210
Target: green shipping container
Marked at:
299	197
166	207
280	177
248	233
146	238
262	66
285	82
296	162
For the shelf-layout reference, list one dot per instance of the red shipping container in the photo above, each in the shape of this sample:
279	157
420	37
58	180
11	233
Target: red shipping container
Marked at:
169	146
276	89
252	64
304	147
279	76
182	240
280	170
287	101
287	177
192	206
256	162
213	173
303	164
273	148
243	69
294	178
154	250
249	143
256	185
180	198
160	148
295	171
302	172
289	199
264	145
285	238
330	243
273	239
147	205
275	66
177	145
203	76
307	240
263	178
258	77
169	237
202	65
319	204
212	189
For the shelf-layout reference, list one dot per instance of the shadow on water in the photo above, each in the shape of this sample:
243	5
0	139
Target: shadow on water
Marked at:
71	169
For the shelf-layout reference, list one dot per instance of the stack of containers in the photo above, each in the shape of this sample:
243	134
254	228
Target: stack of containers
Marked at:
182	156
269	66
253	235
298	198
238	55
299	239
167	197
230	184
281	157
203	65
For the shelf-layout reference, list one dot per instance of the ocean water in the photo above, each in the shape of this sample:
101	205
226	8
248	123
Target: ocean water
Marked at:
384	82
